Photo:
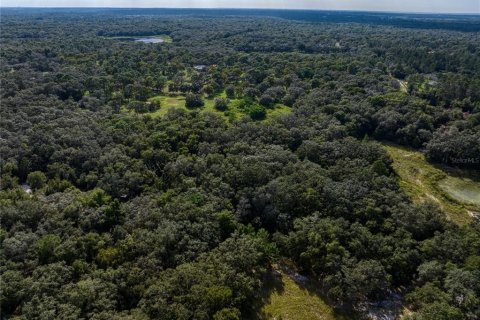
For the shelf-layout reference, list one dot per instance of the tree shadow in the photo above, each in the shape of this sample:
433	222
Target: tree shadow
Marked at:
314	288
389	307
274	283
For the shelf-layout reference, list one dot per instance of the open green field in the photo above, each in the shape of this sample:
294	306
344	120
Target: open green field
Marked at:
167	103
278	110
178	102
456	192
289	300
233	113
164	37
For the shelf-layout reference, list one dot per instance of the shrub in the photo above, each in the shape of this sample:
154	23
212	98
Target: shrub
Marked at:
193	101
221	104
230	92
36	180
257	112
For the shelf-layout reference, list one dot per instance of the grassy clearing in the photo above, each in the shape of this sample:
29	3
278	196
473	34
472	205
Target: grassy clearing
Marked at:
178	102
167	103
278	110
234	111
403	86
210	107
164	37
452	190
289	300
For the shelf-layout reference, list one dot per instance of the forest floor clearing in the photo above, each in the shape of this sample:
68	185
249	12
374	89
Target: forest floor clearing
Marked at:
457	192
291	297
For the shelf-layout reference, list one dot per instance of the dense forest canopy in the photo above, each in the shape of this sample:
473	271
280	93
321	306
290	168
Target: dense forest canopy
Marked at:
115	205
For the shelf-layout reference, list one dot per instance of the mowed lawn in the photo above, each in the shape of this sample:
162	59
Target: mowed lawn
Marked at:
453	190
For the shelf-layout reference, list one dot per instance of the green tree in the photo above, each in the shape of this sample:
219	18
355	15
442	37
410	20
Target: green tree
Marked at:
227	314
221	104
193	101
257	112
46	246
36	180
230	92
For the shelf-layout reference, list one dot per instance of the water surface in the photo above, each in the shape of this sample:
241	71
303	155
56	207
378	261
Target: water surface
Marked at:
150	40
463	190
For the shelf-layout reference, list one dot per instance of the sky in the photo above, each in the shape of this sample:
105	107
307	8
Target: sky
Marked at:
442	6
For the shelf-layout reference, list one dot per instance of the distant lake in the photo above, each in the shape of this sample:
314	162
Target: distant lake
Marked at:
149	40
162	38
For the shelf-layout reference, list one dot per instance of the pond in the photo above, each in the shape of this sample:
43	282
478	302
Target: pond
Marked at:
161	38
462	190
150	40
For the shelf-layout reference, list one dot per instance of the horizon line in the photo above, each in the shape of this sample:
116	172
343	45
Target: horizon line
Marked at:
246	8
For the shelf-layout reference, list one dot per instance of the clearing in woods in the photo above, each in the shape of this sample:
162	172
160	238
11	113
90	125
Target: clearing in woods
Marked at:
234	111
291	298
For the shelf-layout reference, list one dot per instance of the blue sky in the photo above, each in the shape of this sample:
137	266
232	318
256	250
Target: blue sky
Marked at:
451	6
